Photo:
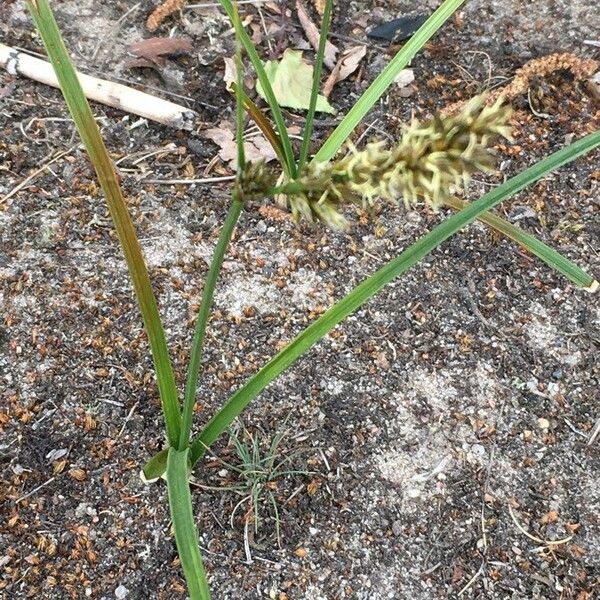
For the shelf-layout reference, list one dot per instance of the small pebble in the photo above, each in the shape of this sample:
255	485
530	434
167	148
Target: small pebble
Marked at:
413	493
121	592
478	449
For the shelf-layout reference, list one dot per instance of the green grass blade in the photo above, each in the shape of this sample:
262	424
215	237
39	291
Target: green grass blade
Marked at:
186	534
368	99
239	102
371	286
200	331
316	85
109	181
550	256
266	85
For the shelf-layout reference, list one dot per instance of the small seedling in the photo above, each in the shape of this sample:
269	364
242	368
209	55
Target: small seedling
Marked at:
256	475
429	160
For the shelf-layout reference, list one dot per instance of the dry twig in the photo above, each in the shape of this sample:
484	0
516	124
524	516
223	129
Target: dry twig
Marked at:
106	92
533	537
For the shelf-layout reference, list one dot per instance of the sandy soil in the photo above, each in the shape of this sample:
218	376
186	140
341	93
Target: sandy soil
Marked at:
433	429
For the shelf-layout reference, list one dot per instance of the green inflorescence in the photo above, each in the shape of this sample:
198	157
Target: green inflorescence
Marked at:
430	162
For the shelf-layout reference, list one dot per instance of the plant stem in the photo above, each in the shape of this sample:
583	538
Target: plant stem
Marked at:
316	84
233	215
239	101
191	384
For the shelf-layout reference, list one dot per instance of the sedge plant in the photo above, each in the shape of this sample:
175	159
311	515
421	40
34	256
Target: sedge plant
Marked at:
429	161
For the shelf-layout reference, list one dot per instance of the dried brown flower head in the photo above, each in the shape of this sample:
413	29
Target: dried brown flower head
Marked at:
256	180
580	69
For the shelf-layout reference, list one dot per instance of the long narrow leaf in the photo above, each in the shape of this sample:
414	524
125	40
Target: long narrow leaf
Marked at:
372	94
239	103
364	292
316	84
109	181
266	86
368	288
550	256
200	330
186	534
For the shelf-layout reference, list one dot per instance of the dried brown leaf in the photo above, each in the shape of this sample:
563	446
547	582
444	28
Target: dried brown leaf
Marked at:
347	64
154	49
256	148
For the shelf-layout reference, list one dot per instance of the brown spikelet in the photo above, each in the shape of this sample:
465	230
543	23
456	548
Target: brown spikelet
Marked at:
256	179
580	68
272	213
160	13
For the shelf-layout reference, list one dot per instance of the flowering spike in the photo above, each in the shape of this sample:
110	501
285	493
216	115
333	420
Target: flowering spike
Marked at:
430	162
